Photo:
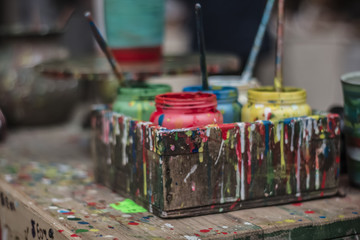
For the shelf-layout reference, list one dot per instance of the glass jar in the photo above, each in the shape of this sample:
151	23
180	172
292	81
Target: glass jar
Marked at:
265	103
185	110
226	99
138	100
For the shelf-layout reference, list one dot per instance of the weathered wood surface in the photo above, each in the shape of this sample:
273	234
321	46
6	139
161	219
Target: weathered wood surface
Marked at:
48	170
189	172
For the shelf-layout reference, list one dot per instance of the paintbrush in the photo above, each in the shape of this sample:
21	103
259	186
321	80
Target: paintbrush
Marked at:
106	50
249	67
278	81
201	44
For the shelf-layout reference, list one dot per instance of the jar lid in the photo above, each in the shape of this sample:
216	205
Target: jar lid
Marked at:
289	95
143	91
186	100
351	81
221	92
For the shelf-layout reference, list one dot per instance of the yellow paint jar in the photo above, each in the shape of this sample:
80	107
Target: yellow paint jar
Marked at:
265	103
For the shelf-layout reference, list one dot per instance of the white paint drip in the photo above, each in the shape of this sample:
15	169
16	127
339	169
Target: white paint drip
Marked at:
192	170
150	139
316	127
267	113
222	185
208	132
191	237
292	136
242	141
220	151
124	142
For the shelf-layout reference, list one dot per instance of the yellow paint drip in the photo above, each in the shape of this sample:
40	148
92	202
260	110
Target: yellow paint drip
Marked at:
289	221
341	216
282	149
145	185
189	133
322	136
201	152
94	230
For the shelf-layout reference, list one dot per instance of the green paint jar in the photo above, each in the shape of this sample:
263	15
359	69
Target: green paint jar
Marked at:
351	90
138	100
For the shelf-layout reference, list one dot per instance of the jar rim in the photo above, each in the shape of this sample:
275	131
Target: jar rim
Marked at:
221	92
143	90
186	100
348	77
267	94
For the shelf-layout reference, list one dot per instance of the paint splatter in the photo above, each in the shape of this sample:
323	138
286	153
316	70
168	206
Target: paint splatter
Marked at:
74	235
82	222
322	216
128	206
60	230
204	230
297	204
133	223
309	212
81	230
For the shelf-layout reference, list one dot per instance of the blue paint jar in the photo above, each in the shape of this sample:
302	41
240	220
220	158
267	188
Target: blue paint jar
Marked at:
227	98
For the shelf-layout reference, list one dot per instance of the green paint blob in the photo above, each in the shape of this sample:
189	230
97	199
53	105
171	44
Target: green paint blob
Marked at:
74	219
81	230
128	206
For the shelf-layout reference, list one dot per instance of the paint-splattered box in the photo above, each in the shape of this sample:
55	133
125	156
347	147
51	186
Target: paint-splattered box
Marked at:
187	172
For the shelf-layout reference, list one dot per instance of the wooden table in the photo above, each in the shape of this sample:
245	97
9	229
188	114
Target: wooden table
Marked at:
47	192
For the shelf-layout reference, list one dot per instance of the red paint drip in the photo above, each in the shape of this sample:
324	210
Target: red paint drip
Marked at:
198	235
297	204
204	230
225	129
133	223
68	213
309	212
210	228
60	231
234	204
337	159
235	232
92	204
212	206
323	180
224	233
74	235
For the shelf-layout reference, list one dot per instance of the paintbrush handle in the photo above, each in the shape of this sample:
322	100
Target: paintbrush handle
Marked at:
249	67
201	44
278	81
104	47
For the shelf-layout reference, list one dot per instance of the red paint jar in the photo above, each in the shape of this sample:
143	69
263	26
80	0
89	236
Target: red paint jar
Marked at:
185	110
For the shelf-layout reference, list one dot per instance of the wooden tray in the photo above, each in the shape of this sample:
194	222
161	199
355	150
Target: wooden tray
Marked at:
218	168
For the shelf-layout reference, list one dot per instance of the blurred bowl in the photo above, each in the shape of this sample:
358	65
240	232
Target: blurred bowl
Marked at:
28	97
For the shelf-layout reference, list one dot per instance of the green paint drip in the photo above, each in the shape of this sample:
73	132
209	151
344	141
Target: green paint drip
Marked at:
81	230
128	206
176	136
74	219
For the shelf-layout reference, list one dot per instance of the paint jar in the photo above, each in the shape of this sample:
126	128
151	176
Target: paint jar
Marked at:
265	103
135	29
138	100
235	81
185	110
226	98
351	91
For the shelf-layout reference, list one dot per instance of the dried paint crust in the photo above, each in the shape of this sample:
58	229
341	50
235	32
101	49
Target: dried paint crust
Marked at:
219	168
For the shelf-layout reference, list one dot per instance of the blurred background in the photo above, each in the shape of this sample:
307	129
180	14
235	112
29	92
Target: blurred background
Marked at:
322	41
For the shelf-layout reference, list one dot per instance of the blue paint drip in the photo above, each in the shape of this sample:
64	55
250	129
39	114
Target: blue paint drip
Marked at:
354	212
82	222
161	119
266	124
322	216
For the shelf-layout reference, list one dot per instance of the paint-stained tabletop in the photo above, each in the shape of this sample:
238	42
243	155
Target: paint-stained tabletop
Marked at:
47	192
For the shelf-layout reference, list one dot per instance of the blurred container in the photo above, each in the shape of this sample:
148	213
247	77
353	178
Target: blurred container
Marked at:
351	91
31	98
2	127
227	102
138	101
235	81
135	29
186	110
40	17
266	104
